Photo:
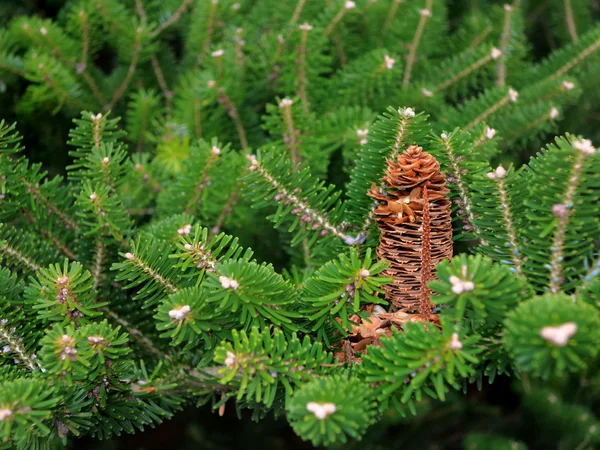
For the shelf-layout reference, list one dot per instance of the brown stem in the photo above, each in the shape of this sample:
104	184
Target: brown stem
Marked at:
134	59
174	18
168	94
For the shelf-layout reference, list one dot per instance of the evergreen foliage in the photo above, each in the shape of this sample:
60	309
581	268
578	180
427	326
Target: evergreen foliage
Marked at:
216	245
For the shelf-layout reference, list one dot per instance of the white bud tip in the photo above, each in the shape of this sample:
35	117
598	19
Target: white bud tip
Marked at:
513	95
105	160
286	102
490	133
362	133
459	286
365	273
215	150
425	12
559	335
5	414
321	410
507	8
188	246
93	196
228	283
304	27
495	53
96	117
218	53
185	230
455	343
230	359
444	136
349	5
406	112
568	85
426	92
389	62
129	255
584	146
211	84
235	6
179	313
554	113
43	31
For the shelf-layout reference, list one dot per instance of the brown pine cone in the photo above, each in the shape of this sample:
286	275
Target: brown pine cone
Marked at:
415	236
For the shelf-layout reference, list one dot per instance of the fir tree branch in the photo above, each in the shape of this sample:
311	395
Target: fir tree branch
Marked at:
14	344
135	334
424	16
563	212
15	253
166	284
80	70
203	180
297	12
289	136
581	56
480	38
390	16
51	237
209	31
336	19
36	193
301	66
461	185
508	222
132	66
162	83
504	41
171	20
231	109
467	71
97	271
531	125
570	20
511	96
299	203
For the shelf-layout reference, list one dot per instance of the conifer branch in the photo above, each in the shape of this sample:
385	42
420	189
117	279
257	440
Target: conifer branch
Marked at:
36	193
498	176
168	94
563	212
390	16
511	96
13	343
15	253
171	20
289	136
139	9
99	260
424	16
581	56
148	178
166	284
297	12
209	31
480	38
135	334
532	125
348	5
463	191
132	66
101	218
504	41
203	180
299	203
232	111
51	237
79	69
570	20
467	71
301	66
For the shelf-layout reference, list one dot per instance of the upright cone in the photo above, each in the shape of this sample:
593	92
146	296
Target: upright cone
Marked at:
411	246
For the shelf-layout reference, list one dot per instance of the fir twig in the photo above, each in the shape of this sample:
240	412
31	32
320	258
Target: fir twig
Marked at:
14	344
171	20
424	16
130	71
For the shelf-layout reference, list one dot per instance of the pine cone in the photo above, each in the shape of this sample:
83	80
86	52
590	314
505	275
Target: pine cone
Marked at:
415	225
